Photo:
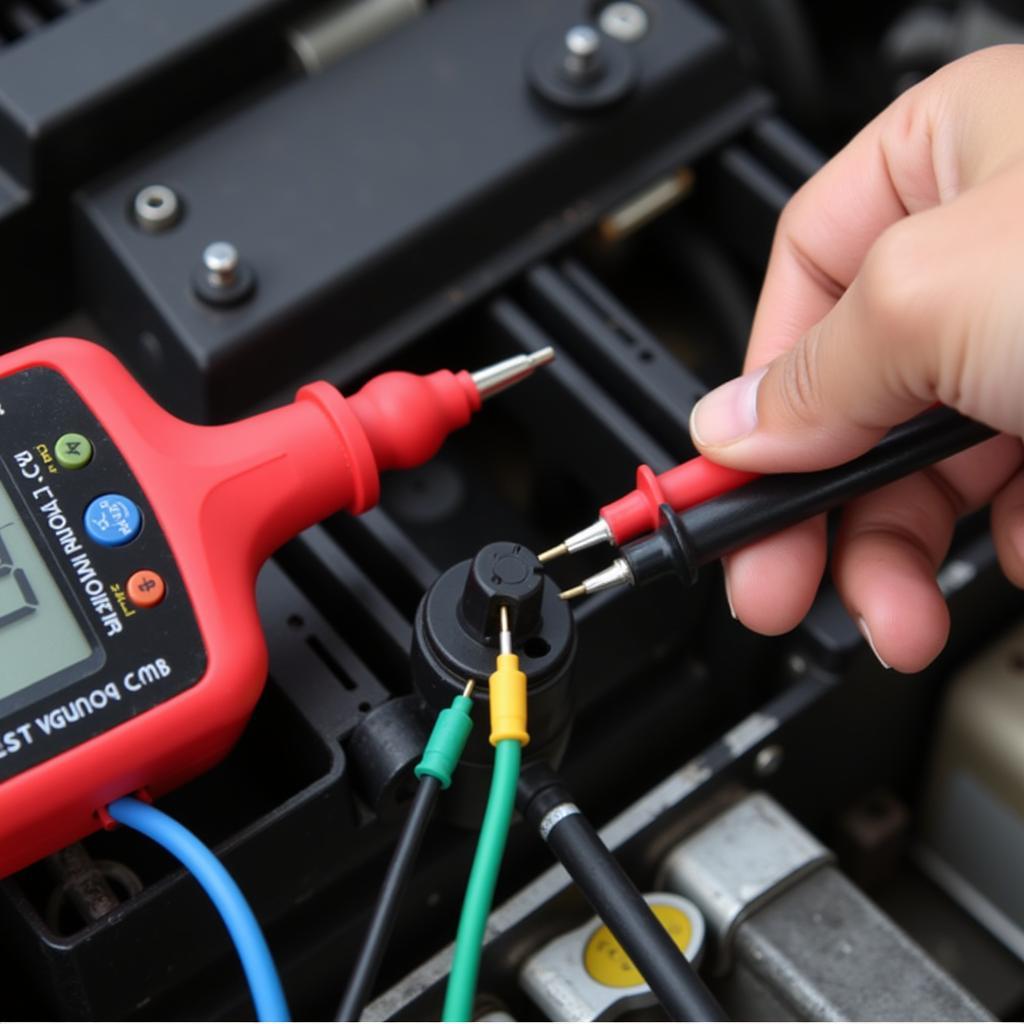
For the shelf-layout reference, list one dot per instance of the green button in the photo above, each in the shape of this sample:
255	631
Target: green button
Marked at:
73	451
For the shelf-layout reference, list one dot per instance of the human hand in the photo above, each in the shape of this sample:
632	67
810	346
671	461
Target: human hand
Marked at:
896	280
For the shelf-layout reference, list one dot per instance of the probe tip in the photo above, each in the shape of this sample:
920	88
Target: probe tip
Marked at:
617	574
552	553
493	379
505	633
470	687
542	356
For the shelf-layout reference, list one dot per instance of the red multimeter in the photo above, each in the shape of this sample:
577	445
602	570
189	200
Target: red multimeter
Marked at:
131	654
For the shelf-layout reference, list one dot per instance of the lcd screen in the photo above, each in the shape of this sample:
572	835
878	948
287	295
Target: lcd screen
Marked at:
39	634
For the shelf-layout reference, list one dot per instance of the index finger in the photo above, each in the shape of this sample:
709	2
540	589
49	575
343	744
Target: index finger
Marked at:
951	131
827	228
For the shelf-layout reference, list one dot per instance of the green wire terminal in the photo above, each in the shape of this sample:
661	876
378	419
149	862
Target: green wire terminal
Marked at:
448	739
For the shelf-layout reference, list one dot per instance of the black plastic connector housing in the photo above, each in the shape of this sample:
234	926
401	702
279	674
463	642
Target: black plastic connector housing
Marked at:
455	638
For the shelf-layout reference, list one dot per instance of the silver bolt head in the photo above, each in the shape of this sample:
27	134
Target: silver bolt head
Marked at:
156	208
624	21
221	261
768	760
582	42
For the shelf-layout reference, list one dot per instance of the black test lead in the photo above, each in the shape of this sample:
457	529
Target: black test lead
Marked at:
704	533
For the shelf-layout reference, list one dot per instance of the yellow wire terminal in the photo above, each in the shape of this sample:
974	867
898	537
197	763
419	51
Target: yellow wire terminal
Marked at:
508	692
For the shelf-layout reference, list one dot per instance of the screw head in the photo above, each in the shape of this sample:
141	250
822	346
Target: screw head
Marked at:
582	52
221	262
222	277
156	208
626	22
582	41
768	760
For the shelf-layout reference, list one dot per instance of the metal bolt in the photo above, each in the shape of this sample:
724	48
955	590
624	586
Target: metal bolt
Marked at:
768	760
626	22
156	208
220	260
582	47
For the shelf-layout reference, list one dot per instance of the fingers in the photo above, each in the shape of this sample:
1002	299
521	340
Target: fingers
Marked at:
1008	528
893	541
771	585
889	548
946	134
934	314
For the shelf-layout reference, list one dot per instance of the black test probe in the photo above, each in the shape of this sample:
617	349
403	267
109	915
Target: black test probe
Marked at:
685	541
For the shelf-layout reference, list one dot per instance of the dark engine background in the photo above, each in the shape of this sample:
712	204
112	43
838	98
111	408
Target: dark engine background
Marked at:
412	203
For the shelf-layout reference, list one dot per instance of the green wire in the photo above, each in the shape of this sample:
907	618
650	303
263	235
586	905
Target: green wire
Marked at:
476	905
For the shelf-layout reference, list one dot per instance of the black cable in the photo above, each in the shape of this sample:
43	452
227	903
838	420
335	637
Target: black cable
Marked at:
386	911
548	806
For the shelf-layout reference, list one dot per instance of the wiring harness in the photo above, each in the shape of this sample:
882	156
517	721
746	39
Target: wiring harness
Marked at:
440	756
507	694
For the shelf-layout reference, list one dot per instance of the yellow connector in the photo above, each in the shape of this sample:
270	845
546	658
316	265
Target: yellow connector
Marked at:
508	701
508	692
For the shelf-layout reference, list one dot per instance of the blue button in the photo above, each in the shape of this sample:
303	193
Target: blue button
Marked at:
113	520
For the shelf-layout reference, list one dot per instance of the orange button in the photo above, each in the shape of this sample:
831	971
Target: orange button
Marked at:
146	588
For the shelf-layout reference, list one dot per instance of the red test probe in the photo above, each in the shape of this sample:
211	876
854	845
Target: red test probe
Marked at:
638	512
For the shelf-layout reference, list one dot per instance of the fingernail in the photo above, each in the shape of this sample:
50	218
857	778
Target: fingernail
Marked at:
728	596
866	633
728	413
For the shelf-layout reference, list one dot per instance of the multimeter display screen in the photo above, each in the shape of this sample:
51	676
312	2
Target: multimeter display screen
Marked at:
39	634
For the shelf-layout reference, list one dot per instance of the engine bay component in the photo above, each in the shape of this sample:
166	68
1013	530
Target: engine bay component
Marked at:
973	835
795	937
586	975
455	638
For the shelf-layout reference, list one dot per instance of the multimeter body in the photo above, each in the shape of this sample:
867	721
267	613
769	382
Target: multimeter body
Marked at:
131	653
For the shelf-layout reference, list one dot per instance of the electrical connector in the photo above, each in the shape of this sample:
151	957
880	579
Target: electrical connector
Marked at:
507	692
448	739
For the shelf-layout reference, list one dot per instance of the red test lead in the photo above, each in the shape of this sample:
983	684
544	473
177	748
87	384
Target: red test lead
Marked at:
681	487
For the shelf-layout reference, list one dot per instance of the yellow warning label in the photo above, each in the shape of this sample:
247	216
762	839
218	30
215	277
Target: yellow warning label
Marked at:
606	961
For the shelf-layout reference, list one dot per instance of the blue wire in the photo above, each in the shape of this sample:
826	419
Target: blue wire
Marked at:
222	889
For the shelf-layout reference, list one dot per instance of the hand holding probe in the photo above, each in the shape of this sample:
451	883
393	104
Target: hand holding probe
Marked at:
704	533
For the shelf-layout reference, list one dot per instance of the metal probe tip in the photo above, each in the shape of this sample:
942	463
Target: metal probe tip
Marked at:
552	553
505	636
618	574
596	533
499	376
470	687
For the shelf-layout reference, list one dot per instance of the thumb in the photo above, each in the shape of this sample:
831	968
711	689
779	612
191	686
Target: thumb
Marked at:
891	346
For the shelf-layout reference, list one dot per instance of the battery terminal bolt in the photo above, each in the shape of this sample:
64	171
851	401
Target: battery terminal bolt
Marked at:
582	52
221	262
223	278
